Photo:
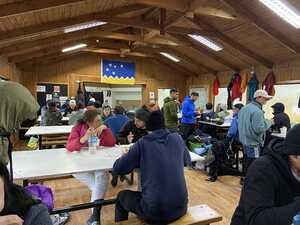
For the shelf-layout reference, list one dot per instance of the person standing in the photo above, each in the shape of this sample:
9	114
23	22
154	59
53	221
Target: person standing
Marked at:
117	121
281	119
252	127
189	114
170	111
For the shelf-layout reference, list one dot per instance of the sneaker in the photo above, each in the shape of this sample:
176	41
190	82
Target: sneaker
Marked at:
92	221
60	219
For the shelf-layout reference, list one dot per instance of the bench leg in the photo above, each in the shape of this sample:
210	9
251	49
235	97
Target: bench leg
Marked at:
40	142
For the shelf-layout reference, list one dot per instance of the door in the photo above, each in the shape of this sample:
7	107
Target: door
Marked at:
162	94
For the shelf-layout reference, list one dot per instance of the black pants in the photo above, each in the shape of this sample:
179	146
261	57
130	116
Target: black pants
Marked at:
129	201
187	130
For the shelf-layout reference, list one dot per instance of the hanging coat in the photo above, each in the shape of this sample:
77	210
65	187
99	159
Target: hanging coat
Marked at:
245	79
252	87
268	83
229	88
236	88
216	86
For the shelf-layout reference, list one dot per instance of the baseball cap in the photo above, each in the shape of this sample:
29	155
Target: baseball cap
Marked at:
262	93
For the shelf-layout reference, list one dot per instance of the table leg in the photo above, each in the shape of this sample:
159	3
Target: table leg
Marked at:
40	142
25	183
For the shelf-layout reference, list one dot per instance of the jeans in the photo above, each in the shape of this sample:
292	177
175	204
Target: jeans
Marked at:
250	154
130	201
187	130
96	181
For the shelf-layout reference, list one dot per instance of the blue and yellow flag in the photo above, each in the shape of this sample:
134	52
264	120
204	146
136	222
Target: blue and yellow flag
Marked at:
117	72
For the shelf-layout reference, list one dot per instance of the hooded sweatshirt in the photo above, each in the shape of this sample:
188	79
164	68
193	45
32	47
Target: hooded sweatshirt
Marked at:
17	105
161	157
170	112
188	111
271	193
281	119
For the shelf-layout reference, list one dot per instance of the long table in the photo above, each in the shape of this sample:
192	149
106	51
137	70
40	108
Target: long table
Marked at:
224	125
41	131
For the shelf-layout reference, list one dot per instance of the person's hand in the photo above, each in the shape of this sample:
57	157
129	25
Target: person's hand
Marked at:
90	132
11	220
130	137
100	129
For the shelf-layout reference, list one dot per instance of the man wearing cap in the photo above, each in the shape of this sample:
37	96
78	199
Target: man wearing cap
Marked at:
252	127
161	157
271	193
170	111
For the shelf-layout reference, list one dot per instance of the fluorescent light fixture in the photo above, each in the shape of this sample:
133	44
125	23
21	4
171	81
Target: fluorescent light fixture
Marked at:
74	47
84	26
286	11
205	41
171	57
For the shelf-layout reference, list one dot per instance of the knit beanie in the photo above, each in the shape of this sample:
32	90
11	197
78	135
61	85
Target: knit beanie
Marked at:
142	114
292	141
156	121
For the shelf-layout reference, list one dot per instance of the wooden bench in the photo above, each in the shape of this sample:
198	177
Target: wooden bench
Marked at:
50	140
196	215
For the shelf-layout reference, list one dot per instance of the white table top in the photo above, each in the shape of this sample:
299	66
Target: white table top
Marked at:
224	125
280	135
40	164
49	130
63	119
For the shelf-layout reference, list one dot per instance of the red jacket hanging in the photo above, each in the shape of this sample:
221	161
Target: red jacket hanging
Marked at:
268	83
236	88
216	86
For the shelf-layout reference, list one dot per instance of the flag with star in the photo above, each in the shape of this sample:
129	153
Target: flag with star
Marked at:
117	72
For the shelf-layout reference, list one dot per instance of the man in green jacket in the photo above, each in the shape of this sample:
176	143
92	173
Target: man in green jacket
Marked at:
253	126
170	111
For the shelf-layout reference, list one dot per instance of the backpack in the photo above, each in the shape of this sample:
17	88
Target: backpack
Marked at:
43	193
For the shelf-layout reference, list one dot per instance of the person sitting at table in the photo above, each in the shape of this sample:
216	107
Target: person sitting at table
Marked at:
52	116
17	207
208	113
106	113
97	182
164	195
117	121
222	113
70	108
75	117
280	119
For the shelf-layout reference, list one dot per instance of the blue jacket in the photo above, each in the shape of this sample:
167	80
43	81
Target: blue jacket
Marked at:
252	125
233	132
188	111
161	157
115	123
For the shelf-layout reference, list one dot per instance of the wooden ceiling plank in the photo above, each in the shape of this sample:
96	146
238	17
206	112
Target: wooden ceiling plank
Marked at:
228	40
17	8
264	26
178	5
190	42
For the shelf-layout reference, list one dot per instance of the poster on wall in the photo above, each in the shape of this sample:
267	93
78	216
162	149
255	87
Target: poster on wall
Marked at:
151	95
56	89
117	72
40	88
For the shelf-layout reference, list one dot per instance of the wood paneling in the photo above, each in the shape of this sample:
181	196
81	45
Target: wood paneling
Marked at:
86	67
9	70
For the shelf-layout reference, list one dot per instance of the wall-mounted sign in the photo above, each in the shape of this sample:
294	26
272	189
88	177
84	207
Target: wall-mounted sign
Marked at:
56	89
40	88
151	95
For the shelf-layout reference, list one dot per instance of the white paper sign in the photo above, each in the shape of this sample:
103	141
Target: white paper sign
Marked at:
151	95
48	97
40	88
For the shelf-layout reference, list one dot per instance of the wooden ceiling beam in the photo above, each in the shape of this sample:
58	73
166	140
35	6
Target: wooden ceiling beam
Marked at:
17	8
148	13
178	5
162	20
228	40
117	52
264	26
106	16
190	42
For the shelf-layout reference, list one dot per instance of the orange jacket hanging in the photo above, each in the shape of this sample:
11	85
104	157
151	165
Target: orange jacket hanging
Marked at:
268	83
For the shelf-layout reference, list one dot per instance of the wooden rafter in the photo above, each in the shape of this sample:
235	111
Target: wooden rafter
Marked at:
264	26
178	5
148	13
16	8
106	16
228	40
162	20
190	42
118	52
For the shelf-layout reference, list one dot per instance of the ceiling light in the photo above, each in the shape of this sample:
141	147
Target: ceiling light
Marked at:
74	47
286	11
84	26
171	57
205	41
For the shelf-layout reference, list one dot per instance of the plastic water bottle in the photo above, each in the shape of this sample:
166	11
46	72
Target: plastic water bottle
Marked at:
93	140
296	219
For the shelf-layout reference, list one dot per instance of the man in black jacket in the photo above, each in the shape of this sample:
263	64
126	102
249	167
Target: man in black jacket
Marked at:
271	193
161	157
281	119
